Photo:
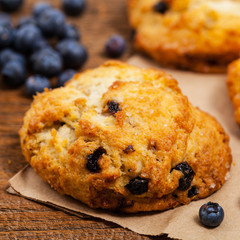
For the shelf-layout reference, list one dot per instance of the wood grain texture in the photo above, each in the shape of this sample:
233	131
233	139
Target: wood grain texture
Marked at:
24	219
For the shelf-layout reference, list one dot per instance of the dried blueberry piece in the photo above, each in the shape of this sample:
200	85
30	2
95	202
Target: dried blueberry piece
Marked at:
137	186
188	174
113	107
92	160
129	149
211	214
192	192
123	203
161	7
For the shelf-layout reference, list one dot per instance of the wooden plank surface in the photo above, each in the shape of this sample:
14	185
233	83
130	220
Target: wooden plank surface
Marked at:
24	219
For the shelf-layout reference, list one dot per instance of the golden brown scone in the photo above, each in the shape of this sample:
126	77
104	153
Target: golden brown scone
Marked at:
118	137
233	84
199	35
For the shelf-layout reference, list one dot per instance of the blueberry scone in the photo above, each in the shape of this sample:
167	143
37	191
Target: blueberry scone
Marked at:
122	138
233	85
199	35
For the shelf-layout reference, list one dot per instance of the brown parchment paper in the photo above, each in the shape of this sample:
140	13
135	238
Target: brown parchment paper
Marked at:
207	91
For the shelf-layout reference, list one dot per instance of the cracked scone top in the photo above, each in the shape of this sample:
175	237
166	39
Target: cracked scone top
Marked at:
119	137
200	35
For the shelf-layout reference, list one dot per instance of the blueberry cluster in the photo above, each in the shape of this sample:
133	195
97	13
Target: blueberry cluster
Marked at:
27	48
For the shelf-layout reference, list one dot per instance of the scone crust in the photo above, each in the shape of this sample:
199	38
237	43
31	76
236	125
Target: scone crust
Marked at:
138	125
201	36
233	85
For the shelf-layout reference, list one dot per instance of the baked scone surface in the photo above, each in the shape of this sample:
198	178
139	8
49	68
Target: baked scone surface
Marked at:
119	137
200	35
233	84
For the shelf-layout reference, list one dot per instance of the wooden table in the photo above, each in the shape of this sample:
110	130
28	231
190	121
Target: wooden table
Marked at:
24	219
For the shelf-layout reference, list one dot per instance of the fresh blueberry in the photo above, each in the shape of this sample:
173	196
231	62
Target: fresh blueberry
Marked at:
74	54
39	8
211	214
115	46
40	44
7	55
161	7
92	160
26	20
13	74
26	37
36	84
51	22
70	32
46	62
74	7
65	76
6	35
137	186
4	19
11	5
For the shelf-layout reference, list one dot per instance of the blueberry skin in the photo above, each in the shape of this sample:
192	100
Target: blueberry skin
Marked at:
161	7
40	44
6	35
74	54
11	5
74	7
40	8
65	76
7	55
92	160
115	46
51	22
46	62
26	20
4	19
137	186
113	107
26	37
211	214
70	32
13	74
36	84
